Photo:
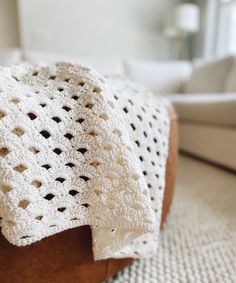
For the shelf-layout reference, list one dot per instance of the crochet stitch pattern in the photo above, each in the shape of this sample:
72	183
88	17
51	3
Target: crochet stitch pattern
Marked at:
67	159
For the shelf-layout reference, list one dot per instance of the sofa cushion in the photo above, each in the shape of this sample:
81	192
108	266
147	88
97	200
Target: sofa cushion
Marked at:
230	85
159	77
217	109
210	77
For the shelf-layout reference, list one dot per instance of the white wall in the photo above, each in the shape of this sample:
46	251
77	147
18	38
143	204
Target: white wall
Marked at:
96	27
9	36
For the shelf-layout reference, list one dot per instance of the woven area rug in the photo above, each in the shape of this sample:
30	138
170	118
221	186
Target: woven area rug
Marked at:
198	244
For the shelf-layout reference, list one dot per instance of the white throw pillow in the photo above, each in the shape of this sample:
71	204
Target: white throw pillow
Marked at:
10	56
159	77
210	77
104	65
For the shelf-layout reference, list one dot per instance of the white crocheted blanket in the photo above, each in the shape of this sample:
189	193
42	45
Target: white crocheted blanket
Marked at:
76	149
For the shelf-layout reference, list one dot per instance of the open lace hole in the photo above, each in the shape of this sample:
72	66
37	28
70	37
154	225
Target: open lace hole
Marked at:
97	192
86	205
125	109
45	134
60	180
71	165
97	90
35	73
25	237
89	105
34	150
68	136
73	193
81	84
131	102
133	127
18	132
82	150
49	197
52	77
15	78
4	152
61	209
43	105
2	114
46	166
36	184
66	80
95	164
81	120
39	217
139	117
23	203
20	168
58	151
5	188
66	108
85	178
56	119
75	97
92	133
60	89
148	149
74	219
138	143
32	116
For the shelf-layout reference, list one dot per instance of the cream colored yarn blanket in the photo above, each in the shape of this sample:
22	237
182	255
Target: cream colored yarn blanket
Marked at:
77	149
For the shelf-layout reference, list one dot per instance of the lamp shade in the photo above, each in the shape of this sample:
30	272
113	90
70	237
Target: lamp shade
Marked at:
187	17
184	18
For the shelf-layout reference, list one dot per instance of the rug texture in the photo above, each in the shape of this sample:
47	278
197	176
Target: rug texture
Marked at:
198	245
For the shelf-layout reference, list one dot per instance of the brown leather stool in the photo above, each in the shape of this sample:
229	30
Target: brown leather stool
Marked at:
67	257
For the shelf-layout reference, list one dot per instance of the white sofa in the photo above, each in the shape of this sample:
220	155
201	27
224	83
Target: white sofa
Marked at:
203	93
204	96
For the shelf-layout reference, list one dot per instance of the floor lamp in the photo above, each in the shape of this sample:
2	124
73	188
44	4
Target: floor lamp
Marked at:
181	23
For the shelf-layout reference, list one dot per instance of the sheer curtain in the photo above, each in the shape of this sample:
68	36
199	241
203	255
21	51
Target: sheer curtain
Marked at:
226	33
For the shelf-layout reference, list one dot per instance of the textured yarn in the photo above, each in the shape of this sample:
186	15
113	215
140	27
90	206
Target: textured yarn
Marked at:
198	244
76	149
